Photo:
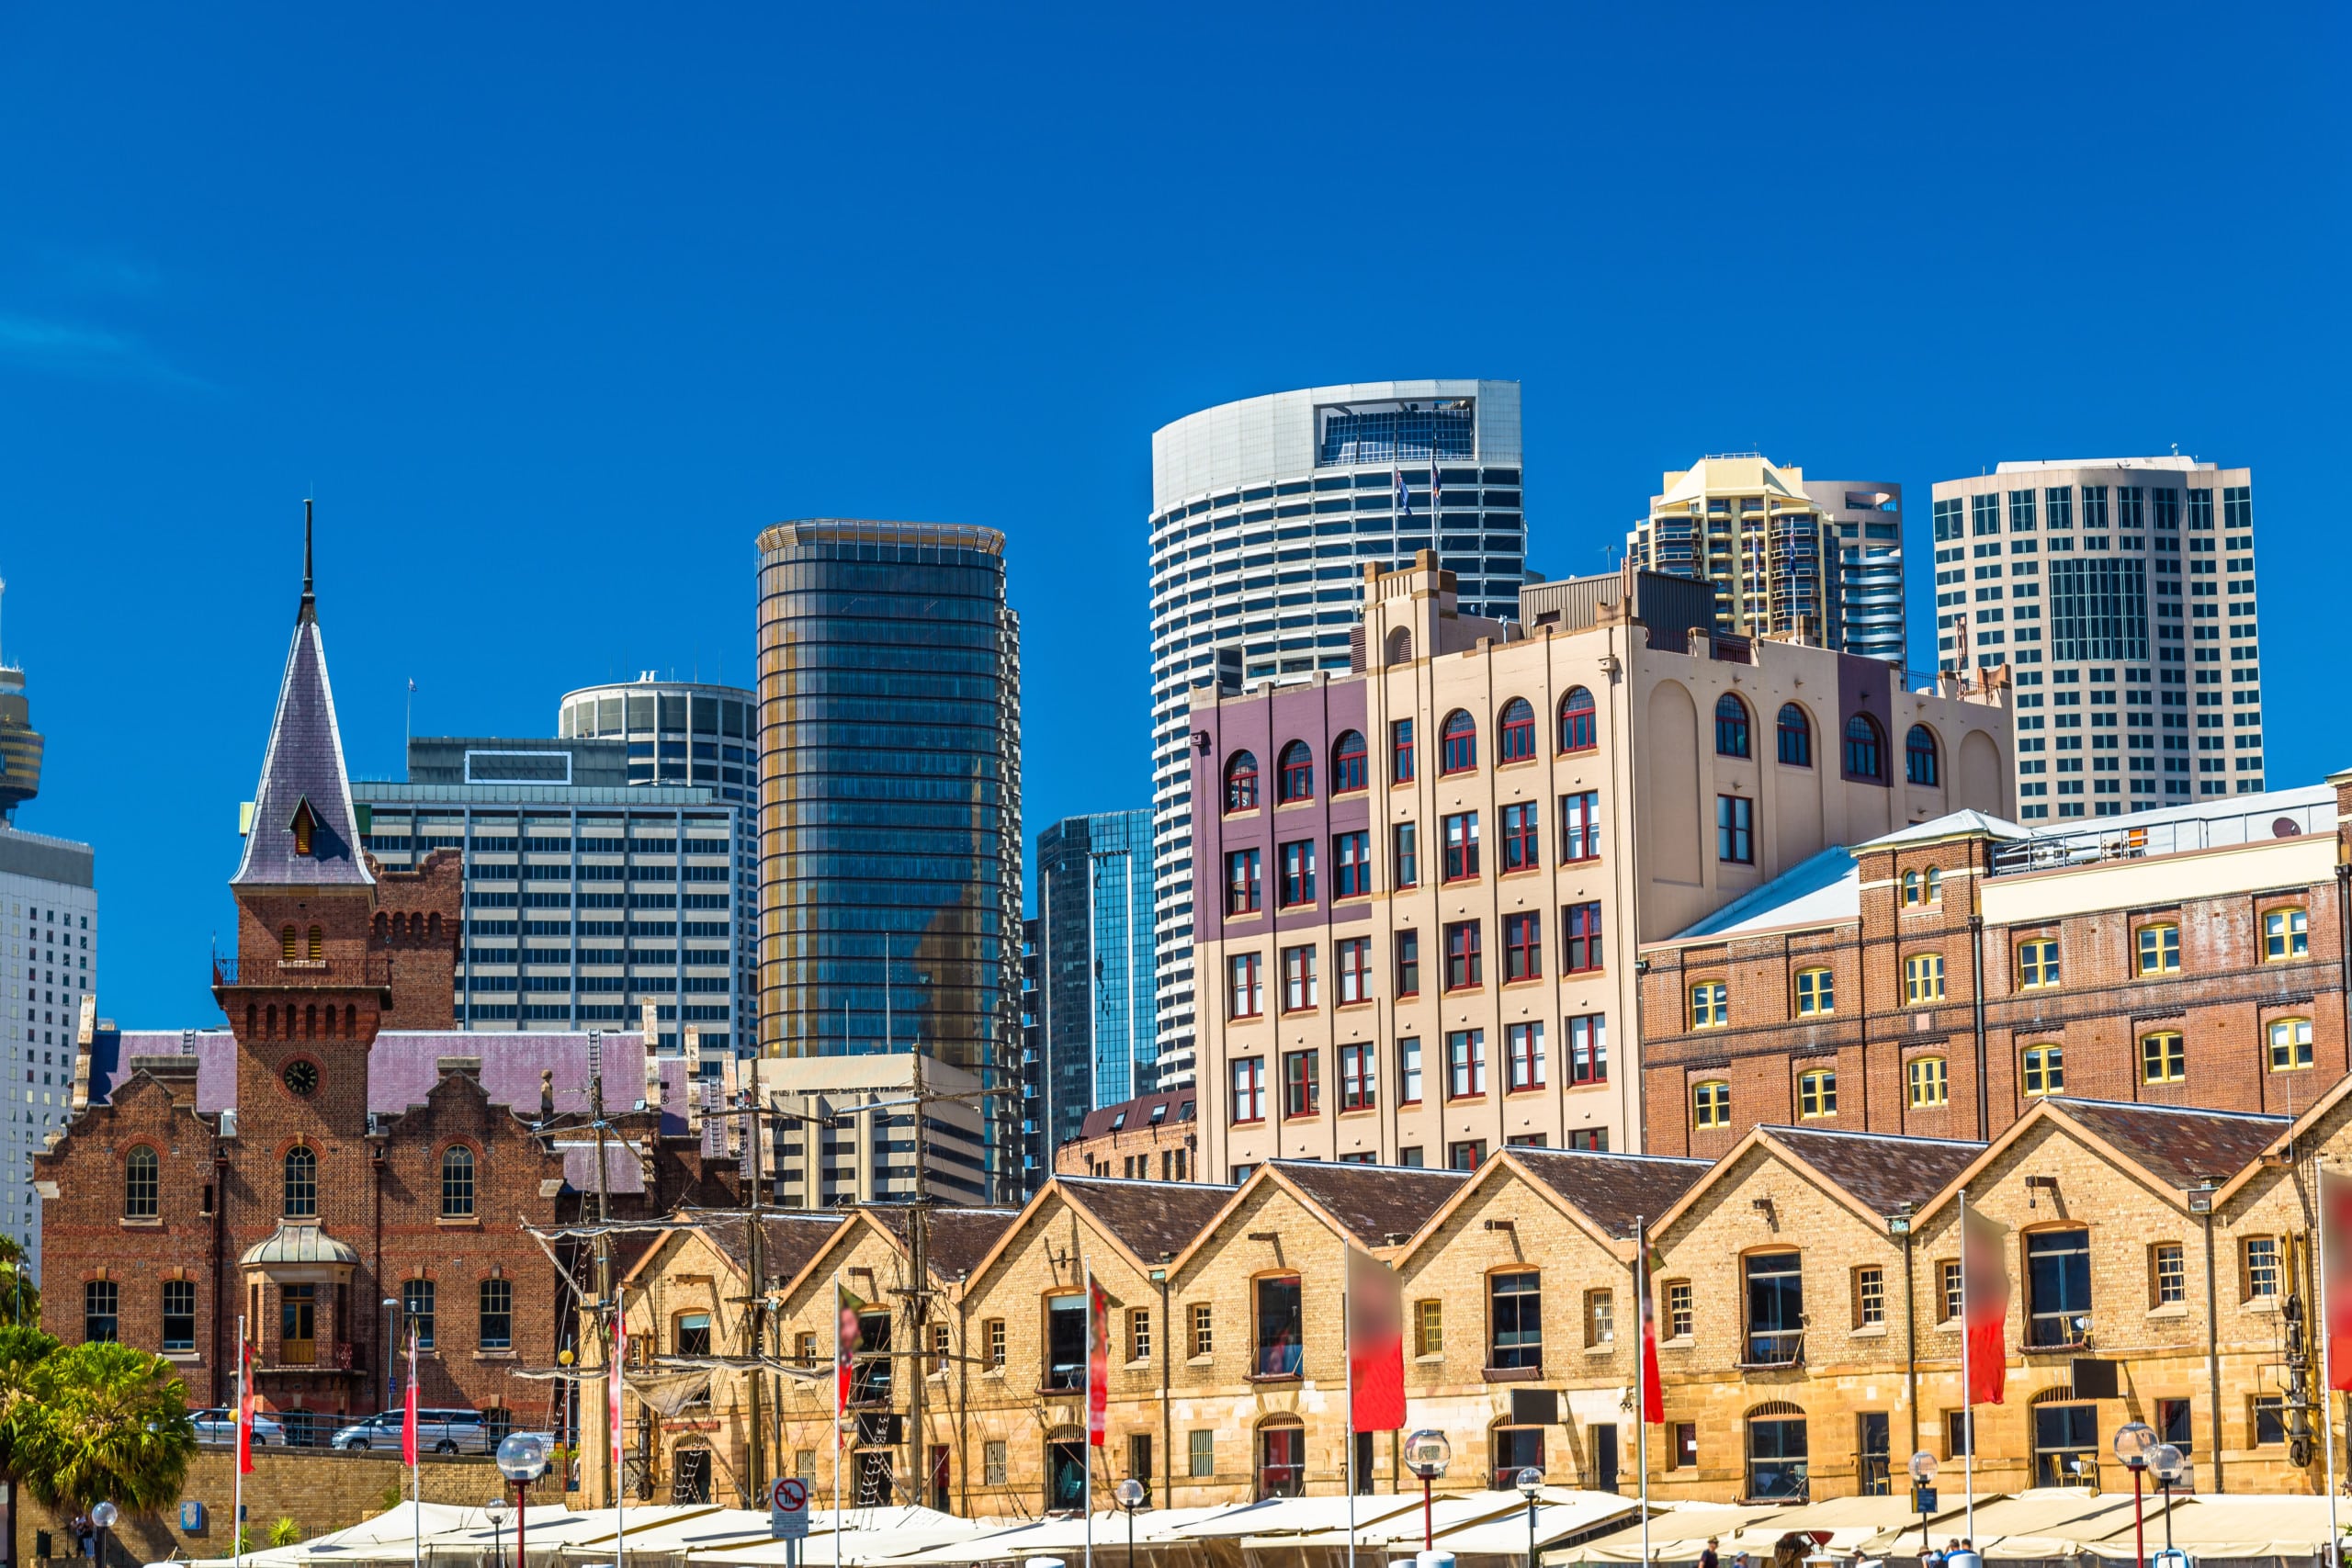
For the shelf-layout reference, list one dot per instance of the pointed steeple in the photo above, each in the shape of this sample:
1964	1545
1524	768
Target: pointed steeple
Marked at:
303	831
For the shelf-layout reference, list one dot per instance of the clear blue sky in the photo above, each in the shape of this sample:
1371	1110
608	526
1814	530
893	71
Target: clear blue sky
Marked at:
552	307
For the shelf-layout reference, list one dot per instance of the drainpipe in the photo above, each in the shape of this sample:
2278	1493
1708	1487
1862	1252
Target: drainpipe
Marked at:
2344	932
2213	1349
1910	1342
1167	1397
1976	989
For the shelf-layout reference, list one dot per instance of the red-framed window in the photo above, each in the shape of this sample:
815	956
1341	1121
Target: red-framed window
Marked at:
1241	781
1580	826
1352	863
1865	749
1589	1048
1248	1089
1579	730
1461	846
1522	843
1358	1072
1522	946
1298	873
1401	752
1408	963
1407	869
1523	1044
1466	1063
1795	736
1464	964
1300	991
1589	1140
1458	744
1296	781
1241	882
1408	1071
1351	956
1349	753
1731	727
1247	974
1302	1091
1582	925
1515	737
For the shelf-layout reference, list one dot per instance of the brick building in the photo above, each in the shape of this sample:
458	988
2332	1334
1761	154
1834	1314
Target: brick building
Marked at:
2189	955
339	1144
1157	1135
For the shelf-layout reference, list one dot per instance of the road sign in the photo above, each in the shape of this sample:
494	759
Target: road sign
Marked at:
789	1509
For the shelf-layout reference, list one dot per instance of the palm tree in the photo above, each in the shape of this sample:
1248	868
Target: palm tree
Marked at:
20	1297
102	1422
21	1349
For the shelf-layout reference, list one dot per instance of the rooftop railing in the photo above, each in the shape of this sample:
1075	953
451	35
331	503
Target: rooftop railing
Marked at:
2091	845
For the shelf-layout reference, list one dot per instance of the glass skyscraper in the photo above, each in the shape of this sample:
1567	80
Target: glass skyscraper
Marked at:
1094	919
891	800
1264	514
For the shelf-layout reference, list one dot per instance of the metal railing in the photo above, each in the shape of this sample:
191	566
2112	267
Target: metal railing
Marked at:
1783	1348
2094	845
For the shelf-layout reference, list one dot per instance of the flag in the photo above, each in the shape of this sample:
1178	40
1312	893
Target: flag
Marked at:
1375	1345
620	1355
847	1304
2335	1226
1403	502
1985	1287
245	1408
1653	1386
408	1415
1098	1360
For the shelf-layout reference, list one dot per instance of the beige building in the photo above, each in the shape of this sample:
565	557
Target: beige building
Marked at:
2120	590
1422	886
845	1133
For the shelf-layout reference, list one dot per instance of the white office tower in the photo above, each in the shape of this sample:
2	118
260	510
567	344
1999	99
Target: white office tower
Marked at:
1263	514
2121	592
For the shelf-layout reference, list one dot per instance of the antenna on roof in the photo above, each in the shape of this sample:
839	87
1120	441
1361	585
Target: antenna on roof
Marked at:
310	600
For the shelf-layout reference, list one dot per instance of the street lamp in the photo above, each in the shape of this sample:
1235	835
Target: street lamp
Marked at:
496	1511
522	1458
2171	1467
1426	1453
2135	1442
1923	1482
392	1349
1130	1494
104	1516
1531	1487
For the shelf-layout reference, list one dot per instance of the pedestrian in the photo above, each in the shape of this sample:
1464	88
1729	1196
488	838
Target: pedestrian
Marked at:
1708	1558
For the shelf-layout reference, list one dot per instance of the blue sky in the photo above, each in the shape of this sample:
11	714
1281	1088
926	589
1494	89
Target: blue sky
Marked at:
553	308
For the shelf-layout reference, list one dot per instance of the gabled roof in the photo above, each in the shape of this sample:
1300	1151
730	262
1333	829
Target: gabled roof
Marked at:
2294	1134
1371	1202
2171	1147
1133	1115
1871	1173
788	1241
304	768
1613	1191
1952	825
1152	1219
959	1238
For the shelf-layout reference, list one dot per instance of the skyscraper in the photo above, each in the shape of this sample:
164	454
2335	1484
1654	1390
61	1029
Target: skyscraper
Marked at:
1094	919
891	800
1263	512
2120	589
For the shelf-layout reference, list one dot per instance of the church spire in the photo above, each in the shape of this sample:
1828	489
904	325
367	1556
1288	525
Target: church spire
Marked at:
310	611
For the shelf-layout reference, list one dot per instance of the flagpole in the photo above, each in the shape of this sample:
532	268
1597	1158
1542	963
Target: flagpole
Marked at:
244	1440
415	1470
1967	1387
1088	1443
1348	1356
1642	1373
838	1414
620	1344
2327	1367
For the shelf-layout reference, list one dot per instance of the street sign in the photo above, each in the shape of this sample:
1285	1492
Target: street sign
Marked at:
788	1510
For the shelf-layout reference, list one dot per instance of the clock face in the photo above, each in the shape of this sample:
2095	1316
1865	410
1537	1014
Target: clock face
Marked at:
301	1077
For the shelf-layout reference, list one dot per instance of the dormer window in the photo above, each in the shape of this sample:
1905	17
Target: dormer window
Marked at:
305	822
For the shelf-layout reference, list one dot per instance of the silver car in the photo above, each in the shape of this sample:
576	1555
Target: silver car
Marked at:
451	1431
219	1424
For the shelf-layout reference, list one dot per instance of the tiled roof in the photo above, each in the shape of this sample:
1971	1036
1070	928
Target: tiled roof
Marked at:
1156	1219
1883	1172
786	1241
1374	1201
1613	1190
2174	1144
1175	1103
959	1237
303	763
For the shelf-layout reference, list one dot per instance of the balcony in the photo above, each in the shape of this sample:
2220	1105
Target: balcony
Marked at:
1766	1351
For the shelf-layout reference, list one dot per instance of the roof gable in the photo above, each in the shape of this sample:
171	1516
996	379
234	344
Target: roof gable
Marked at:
302	777
2169	1148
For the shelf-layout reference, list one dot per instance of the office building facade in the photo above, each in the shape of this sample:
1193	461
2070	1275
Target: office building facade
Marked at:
1094	916
1263	512
891	800
586	897
2122	593
677	732
1431	878
1864	520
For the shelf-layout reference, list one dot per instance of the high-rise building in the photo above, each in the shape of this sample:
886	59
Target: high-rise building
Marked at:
586	895
1036	1159
1094	916
1820	560
678	732
2121	591
49	910
889	732
1263	513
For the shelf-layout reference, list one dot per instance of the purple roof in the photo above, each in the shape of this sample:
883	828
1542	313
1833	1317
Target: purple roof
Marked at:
404	1065
304	764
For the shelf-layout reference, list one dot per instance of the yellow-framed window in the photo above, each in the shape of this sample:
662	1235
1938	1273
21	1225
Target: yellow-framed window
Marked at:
2159	949
1816	992
2286	933
2037	963
1710	1104
1709	1004
1818	1093
1923	978
2045	1069
2164	1056
1930	1085
2291	1044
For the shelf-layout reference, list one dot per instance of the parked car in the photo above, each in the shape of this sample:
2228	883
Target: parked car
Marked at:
437	1432
219	1424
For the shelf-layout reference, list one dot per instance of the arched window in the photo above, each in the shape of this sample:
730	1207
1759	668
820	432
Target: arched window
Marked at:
456	1183
1241	781
351	1021
1731	727
318	946
1776	1454
1400	647
2045	1069
1795	735
1282	1458
1910	889
289	944
301	1184
1710	1104
1919	755
1517	741
1458	743
1865	748
1295	775
1935	885
142	1184
1709	1005
383	926
1579	730
1349	767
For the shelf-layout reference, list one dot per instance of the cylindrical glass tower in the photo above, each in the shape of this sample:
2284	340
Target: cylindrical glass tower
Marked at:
890	797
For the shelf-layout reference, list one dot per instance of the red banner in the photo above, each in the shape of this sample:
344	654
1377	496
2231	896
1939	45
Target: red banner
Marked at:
1098	1361
1653	1386
847	1304
408	1414
1984	1272
2336	1225
1375	1345
244	1409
